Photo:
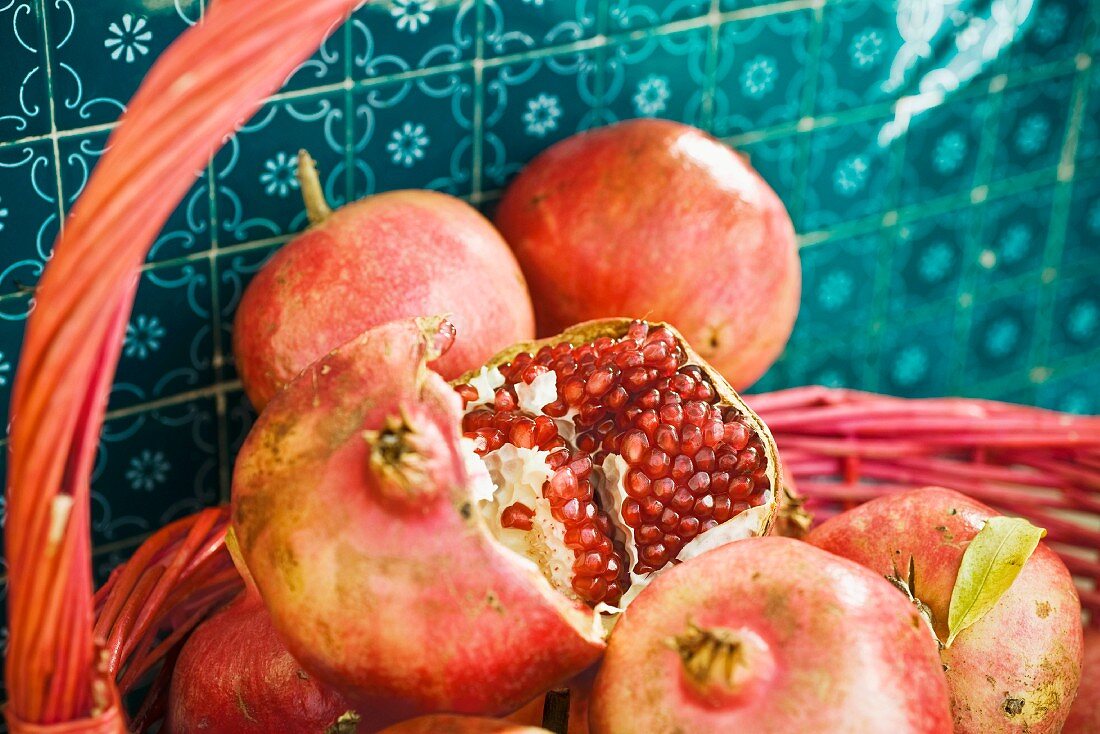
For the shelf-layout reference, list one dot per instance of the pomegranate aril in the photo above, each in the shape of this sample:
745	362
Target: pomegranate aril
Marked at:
708	524
664	489
517	516
704	506
669	520
634	446
705	392
689	527
648	534
656	463
558	459
699	484
545	430
503	399
649	399
672	414
654	555
571	512
713	431
556	409
719	482
590	587
683	384
616	398
682	500
695	412
741	487
735	435
682	467
746	460
652	508
600	381
634	378
589	564
704	459
468	393
563	486
581	466
632	513
637	484
531	373
691	439
572	391
655	352
722	508
668	439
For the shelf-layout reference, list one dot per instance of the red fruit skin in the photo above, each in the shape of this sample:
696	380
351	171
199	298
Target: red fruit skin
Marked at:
655	219
234	676
1084	715
461	725
383	581
1027	648
388	256
829	648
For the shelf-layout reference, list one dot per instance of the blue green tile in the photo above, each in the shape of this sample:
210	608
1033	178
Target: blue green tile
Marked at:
837	288
1076	317
1019	391
13	322
1032	127
513	26
239	417
402	35
1001	336
912	358
777	161
24	100
760	71
235	272
858	48
414	134
256	192
28	212
658	76
530	105
1072	393
1052	32
848	177
927	261
1013	236
1088	146
941	150
326	65
154	467
168	347
840	361
635	14
1082	245
99	52
187	230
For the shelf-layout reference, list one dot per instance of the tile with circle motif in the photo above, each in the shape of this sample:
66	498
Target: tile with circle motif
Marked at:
658	76
414	134
627	15
1032	127
1075	327
849	175
515	26
532	104
24	97
28	212
154	467
838	279
1074	392
402	35
1013	237
1082	245
859	60
929	256
1052	32
255	172
187	230
911	359
760	71
1001	335
941	150
100	51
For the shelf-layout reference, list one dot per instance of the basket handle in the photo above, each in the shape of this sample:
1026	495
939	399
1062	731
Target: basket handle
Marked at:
212	78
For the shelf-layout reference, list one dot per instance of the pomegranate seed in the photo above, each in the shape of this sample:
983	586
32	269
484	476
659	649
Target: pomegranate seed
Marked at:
545	430
649	399
655	352
708	524
468	393
683	500
722	508
637	484
652	508
689	527
572	391
655	555
682	383
517	516
533	371
648	534
668	439
682	467
719	482
634	446
648	422
746	460
581	466
740	487
637	331
523	433
656	463
695	412
713	431
705	392
699	484
590	587
556	409
691	439
669	519
704	506
617	398
704	459
672	414
572	511
632	513
563	487
664	488
589	564
634	378
735	435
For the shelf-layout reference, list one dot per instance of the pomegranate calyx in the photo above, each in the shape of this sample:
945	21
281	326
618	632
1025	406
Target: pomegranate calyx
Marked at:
907	585
347	723
720	661
309	181
397	462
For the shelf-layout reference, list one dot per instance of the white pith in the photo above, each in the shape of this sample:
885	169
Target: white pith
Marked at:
511	474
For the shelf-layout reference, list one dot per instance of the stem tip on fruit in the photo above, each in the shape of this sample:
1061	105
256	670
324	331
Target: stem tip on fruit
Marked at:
317	208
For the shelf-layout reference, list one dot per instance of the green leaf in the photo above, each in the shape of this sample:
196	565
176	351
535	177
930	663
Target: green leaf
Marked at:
989	566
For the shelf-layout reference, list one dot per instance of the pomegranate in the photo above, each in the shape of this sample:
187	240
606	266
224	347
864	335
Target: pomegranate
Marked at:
1014	670
655	217
1084	714
770	635
234	676
387	256
442	724
456	549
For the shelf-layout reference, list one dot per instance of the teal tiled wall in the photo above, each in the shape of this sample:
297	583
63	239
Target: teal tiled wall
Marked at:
941	161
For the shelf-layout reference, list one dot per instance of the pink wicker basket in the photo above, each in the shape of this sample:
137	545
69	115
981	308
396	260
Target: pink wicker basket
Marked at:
72	652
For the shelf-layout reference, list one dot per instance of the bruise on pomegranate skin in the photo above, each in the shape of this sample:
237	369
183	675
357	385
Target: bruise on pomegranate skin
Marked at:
638	453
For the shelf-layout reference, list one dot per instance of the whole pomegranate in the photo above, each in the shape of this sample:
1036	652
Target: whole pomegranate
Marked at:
392	255
458	548
1084	714
770	635
234	676
658	218
1014	670
443	724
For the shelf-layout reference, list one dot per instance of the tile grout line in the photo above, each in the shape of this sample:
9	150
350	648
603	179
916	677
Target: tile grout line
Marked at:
477	123
349	113
710	76
807	106
207	391
45	39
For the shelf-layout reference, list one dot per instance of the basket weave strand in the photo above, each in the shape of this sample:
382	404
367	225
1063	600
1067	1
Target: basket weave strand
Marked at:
212	78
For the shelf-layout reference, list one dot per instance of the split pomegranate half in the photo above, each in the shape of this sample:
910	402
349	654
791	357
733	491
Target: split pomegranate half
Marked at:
424	546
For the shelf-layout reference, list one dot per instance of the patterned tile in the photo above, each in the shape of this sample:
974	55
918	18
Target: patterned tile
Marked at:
514	26
1082	246
837	288
658	76
531	105
941	150
777	161
859	46
168	347
635	14
1014	236
848	177
28	212
24	100
928	258
154	467
187	230
838	362
1052	32
414	134
256	192
1088	147
400	35
326	65
911	359
1072	393
1001	336
13	321
1033	126
1076	318
760	71
99	52
235	272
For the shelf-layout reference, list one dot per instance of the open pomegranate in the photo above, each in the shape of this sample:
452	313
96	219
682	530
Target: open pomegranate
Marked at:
456	548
